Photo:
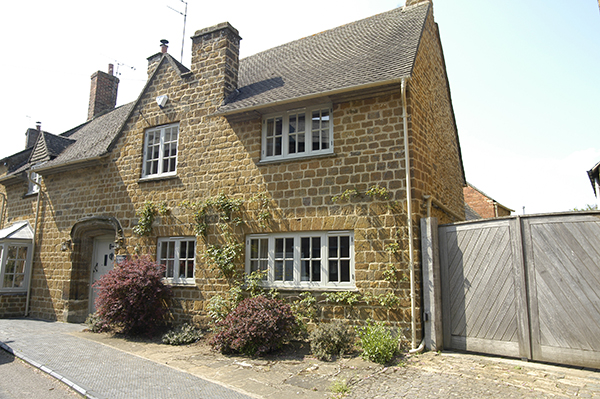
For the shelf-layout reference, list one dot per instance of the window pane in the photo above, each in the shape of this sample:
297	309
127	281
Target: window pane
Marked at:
345	247
316	247
12	252
278	142
170	268
190	269
253	266
345	271
305	270
253	249
333	271
19	280
171	250
278	270
191	253
22	253
279	248
264	248
20	266
289	270
8	281
305	247
289	247
333	247
10	266
316	270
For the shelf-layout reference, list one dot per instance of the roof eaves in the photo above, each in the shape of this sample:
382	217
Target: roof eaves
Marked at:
223	111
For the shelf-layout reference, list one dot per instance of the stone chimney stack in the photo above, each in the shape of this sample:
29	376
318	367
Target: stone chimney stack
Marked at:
103	92
215	58
413	2
31	135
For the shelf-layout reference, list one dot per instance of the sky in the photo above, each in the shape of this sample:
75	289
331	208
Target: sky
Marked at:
524	74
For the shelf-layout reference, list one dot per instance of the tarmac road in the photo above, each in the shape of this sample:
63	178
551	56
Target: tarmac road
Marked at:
21	381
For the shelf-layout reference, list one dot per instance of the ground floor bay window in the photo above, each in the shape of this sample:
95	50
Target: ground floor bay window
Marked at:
15	257
303	260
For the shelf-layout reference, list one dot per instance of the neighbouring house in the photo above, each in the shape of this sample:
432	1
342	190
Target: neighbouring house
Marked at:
594	175
291	161
479	205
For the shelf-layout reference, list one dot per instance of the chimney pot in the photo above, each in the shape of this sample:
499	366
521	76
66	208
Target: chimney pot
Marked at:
38	126
164	45
111	69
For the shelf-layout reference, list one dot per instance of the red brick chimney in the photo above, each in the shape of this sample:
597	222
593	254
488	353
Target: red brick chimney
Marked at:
103	92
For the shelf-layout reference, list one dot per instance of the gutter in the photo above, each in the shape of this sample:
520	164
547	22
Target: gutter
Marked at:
37	214
411	264
2	212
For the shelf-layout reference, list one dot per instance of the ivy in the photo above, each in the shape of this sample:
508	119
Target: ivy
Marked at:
146	217
379	192
223	257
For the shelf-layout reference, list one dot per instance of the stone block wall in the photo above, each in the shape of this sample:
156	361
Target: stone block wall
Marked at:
12	305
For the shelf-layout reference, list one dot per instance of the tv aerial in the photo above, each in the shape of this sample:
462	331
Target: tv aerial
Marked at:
184	21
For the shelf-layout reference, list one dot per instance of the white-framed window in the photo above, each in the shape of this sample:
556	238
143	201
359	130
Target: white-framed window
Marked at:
178	254
15	262
297	133
34	188
303	259
160	151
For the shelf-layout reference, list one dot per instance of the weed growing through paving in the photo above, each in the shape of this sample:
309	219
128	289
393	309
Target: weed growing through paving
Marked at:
339	388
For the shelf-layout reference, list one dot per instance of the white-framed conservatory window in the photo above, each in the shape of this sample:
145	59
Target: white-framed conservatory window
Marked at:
15	262
297	133
303	259
160	151
178	254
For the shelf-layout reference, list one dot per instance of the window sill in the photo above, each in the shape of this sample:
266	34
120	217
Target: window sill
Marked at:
282	160
12	293
310	288
181	284
157	178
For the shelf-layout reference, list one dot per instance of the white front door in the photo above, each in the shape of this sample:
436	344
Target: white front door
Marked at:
102	263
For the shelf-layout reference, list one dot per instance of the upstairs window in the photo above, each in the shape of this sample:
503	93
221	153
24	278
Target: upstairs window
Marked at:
297	133
34	188
178	254
160	151
303	260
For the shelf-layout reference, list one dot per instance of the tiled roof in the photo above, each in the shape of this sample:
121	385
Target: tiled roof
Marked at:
85	142
374	50
92	139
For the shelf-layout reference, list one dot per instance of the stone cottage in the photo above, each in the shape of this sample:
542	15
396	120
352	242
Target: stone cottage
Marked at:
292	161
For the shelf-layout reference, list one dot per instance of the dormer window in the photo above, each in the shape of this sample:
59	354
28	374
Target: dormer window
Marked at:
297	133
160	151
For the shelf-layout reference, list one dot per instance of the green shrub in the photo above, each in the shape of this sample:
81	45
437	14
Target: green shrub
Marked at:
257	326
133	297
378	343
182	335
331	339
219	306
95	323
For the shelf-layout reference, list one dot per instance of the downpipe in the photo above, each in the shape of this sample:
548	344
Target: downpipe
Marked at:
35	226
413	321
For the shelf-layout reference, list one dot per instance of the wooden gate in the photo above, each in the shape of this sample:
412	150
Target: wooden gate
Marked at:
526	287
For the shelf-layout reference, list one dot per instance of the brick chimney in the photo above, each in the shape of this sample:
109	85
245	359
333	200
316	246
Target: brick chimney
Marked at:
31	135
103	92
215	54
154	59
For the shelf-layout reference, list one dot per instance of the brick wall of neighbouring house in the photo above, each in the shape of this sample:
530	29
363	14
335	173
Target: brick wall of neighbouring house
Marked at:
481	204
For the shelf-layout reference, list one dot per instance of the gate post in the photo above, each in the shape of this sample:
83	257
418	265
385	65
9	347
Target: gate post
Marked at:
432	287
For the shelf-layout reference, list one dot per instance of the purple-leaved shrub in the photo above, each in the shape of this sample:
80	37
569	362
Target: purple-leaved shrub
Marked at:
257	326
133	297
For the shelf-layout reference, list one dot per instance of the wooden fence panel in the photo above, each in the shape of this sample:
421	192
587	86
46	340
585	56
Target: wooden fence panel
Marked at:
478	288
527	287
